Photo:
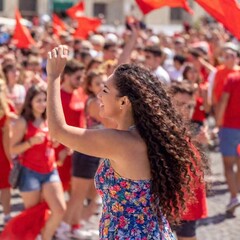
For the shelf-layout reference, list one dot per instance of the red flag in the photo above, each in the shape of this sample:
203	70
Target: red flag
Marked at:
76	11
226	12
58	25
86	25
26	225
149	5
21	36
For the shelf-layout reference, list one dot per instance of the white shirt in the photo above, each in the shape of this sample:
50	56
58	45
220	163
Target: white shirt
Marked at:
176	75
162	75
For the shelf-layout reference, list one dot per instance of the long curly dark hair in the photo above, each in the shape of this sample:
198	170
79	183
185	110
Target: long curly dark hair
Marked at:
27	111
173	159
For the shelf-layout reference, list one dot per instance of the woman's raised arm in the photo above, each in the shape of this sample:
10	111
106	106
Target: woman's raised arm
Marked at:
105	143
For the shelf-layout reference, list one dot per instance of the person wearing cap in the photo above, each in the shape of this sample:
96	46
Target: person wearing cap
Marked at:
154	60
98	42
153	41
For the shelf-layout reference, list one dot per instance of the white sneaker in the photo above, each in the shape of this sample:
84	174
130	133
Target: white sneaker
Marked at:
92	223
234	202
63	232
80	233
94	232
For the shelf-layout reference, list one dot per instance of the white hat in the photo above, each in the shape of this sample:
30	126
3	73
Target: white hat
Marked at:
231	46
153	40
111	38
97	39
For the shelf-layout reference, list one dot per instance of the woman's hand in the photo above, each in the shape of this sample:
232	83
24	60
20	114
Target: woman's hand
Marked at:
39	138
56	61
62	155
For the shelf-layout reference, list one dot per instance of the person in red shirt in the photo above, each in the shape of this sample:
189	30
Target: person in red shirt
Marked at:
196	208
230	56
228	120
39	177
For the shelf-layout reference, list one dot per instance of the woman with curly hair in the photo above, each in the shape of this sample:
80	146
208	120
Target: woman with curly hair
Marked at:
149	160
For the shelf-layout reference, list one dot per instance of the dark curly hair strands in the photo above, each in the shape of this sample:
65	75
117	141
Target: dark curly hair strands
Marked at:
172	159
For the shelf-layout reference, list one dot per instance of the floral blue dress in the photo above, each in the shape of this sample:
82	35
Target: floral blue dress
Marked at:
127	212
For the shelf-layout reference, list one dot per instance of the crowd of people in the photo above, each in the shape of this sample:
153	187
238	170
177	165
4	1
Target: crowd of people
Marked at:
121	116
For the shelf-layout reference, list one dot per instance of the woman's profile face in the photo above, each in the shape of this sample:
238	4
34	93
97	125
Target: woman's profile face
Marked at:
39	103
110	103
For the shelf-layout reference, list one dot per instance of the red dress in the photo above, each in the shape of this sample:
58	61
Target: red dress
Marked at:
4	162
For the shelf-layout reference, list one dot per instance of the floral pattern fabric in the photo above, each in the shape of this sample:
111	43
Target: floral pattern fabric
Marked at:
127	212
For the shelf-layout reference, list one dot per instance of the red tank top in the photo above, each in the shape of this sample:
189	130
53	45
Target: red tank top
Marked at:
40	157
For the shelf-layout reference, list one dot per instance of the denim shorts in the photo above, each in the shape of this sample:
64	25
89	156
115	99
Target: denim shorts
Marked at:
32	181
229	141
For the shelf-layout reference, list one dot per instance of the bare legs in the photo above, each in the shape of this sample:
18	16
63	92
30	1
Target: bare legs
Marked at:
5	199
53	195
232	177
79	192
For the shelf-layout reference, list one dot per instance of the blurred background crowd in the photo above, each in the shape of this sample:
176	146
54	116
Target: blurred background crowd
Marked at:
197	58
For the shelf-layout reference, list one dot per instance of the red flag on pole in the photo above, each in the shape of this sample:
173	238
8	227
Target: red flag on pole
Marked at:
86	25
149	5
76	11
21	36
226	12
58	25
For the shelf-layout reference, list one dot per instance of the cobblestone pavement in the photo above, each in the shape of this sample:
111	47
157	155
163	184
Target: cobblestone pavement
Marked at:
218	225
